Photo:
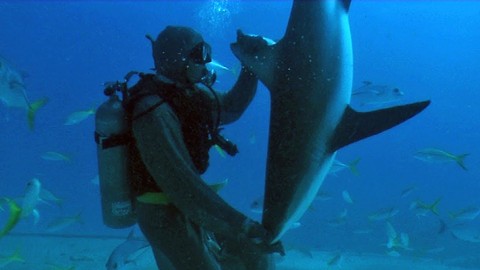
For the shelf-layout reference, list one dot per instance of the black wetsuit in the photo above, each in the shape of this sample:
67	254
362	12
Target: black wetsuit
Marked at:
181	233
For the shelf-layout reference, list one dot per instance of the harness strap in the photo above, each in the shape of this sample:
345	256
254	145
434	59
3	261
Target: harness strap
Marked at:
112	140
152	108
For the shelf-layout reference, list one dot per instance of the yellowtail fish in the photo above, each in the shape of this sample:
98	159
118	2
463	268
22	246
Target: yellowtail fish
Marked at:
383	214
407	191
423	208
346	197
339	166
467	233
339	220
13	218
61	223
13	93
14	257
220	151
47	195
55	156
78	116
162	198
469	213
396	240
53	266
322	196
435	155
335	260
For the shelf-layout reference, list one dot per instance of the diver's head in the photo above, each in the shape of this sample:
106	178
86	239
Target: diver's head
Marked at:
181	55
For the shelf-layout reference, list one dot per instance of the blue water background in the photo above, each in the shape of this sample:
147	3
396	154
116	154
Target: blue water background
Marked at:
429	50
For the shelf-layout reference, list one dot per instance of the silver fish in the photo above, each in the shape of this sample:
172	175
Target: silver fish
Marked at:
12	87
469	213
383	214
61	223
121	255
31	199
78	116
374	94
55	156
13	93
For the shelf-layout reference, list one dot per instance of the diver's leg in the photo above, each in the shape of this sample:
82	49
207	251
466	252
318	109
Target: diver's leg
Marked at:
172	236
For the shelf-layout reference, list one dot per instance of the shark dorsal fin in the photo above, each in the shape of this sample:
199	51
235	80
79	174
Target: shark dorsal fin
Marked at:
356	126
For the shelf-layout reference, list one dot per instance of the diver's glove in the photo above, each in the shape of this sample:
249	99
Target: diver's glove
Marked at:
251	43
261	238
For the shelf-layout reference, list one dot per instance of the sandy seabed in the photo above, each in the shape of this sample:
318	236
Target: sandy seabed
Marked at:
91	252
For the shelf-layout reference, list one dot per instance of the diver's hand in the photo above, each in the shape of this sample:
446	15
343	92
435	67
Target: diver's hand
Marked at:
261	238
249	43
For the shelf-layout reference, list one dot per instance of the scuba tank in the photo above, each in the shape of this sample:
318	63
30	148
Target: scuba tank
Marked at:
112	135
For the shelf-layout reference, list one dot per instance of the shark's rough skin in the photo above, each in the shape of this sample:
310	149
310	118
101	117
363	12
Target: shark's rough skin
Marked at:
309	74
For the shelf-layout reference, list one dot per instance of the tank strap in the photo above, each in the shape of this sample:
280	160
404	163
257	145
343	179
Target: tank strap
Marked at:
112	141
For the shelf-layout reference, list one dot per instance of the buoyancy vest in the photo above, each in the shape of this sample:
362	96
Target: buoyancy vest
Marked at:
194	108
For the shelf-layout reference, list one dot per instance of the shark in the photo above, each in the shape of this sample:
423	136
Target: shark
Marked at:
309	73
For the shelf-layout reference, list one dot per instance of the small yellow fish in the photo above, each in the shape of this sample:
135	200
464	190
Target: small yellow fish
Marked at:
55	156
61	223
13	218
335	260
78	116
220	151
6	260
32	111
162	198
469	213
346	197
53	266
422	208
439	156
396	240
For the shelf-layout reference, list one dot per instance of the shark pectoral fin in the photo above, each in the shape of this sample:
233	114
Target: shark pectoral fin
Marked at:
256	54
356	126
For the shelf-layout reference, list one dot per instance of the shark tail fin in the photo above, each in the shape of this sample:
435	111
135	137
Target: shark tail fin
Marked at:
356	126
32	111
460	159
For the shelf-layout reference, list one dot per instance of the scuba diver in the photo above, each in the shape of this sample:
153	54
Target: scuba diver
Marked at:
175	119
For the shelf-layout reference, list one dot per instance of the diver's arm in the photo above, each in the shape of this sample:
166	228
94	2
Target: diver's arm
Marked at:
235	102
160	142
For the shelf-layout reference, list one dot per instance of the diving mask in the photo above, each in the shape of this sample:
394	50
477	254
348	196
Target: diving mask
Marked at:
201	53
